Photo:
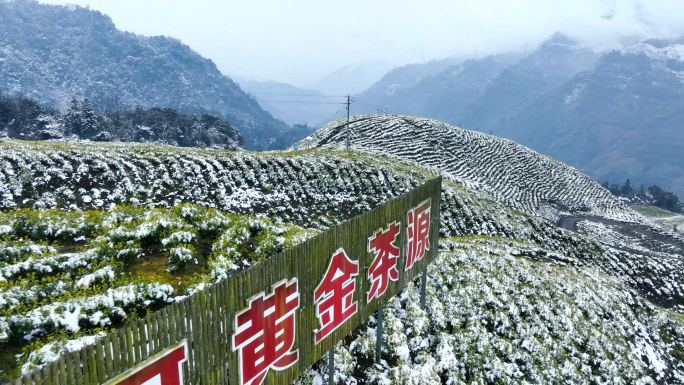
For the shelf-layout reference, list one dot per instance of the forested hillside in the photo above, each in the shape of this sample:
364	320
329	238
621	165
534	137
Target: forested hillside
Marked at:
54	53
23	118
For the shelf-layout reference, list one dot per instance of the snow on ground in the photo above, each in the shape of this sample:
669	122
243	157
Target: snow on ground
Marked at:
668	220
499	296
510	173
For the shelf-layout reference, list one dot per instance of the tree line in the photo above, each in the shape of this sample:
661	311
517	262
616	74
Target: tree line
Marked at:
653	195
104	119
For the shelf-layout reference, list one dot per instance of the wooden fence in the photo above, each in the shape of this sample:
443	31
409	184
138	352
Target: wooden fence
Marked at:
206	323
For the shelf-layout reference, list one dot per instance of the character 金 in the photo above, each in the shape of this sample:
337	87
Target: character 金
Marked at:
334	296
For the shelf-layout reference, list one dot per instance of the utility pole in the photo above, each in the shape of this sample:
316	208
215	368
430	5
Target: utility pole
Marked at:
331	366
348	134
378	337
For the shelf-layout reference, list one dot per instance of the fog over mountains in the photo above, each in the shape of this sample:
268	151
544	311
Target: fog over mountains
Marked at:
614	115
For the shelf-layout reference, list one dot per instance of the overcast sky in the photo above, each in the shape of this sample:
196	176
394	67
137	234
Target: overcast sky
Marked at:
300	41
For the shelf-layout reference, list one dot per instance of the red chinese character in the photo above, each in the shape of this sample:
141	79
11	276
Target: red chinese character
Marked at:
265	332
384	266
165	369
418	231
334	294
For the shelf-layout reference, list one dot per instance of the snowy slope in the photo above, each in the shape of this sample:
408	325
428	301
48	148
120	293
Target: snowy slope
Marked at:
504	170
313	189
512	298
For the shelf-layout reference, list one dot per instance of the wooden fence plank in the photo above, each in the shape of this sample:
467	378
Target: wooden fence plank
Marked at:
232	307
78	368
62	374
151	343
192	360
142	335
130	347
167	329
54	372
99	362
212	333
204	346
136	344
85	378
27	379
92	364
163	335
46	375
225	347
218	358
116	353
109	362
156	326
69	362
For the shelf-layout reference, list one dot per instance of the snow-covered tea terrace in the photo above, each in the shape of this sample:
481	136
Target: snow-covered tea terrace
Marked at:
94	236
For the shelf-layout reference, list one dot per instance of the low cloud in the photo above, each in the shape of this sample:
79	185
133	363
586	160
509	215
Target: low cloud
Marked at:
299	41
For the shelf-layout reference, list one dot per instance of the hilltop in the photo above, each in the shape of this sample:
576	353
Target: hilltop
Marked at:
506	171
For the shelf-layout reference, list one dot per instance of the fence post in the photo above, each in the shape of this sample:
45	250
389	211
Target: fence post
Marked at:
331	366
423	287
378	336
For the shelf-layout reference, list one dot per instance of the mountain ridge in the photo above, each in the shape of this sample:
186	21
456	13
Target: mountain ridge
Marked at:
620	120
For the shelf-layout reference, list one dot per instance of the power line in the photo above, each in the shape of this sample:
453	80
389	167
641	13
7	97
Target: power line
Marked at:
363	101
377	108
316	96
372	106
296	101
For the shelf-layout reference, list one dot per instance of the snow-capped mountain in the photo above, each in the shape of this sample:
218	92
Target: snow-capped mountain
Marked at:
403	77
518	86
442	96
476	94
53	53
621	120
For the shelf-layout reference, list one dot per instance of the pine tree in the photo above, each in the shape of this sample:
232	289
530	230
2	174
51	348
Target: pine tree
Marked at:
88	120
8	111
72	119
627	188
